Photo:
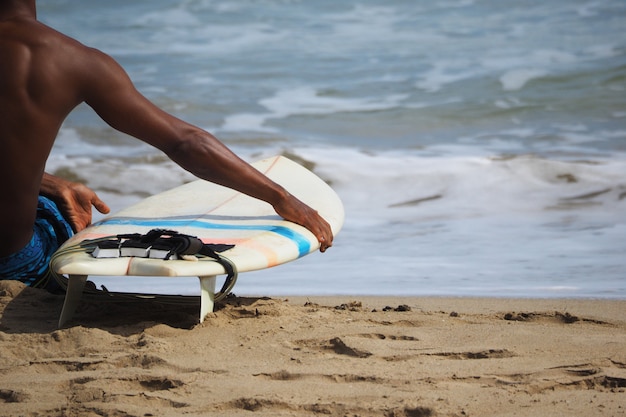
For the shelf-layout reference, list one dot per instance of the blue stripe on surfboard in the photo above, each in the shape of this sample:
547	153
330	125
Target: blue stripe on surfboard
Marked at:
303	244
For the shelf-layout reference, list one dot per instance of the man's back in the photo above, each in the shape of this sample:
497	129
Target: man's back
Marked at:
38	89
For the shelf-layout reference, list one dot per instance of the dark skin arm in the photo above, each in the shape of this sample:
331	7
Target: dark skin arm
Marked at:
112	95
109	91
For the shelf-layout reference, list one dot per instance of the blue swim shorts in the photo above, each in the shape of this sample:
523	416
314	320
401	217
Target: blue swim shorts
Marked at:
30	265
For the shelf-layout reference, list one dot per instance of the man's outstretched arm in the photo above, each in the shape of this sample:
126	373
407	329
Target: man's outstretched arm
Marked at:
110	92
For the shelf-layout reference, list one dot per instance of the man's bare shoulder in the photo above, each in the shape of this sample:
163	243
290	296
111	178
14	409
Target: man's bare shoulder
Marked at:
30	32
42	40
51	57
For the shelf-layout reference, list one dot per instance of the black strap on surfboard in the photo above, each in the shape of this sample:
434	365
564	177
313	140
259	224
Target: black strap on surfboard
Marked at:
167	245
173	243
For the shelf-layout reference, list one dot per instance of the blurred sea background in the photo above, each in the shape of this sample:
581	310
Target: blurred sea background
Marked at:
479	146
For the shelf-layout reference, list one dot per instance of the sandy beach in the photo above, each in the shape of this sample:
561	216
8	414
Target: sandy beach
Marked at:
308	356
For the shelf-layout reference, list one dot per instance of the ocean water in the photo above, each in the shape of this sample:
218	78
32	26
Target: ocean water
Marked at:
479	147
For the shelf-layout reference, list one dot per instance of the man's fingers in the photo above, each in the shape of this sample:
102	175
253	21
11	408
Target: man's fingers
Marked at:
325	243
101	206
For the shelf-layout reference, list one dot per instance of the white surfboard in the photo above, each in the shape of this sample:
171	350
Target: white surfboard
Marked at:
215	214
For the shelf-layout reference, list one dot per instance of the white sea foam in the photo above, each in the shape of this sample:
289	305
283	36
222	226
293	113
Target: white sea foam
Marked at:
382	185
516	69
307	100
447	72
304	101
516	79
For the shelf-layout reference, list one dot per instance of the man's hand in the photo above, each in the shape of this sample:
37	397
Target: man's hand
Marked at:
296	211
73	199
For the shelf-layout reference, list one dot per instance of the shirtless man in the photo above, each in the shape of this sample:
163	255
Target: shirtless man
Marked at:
43	76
